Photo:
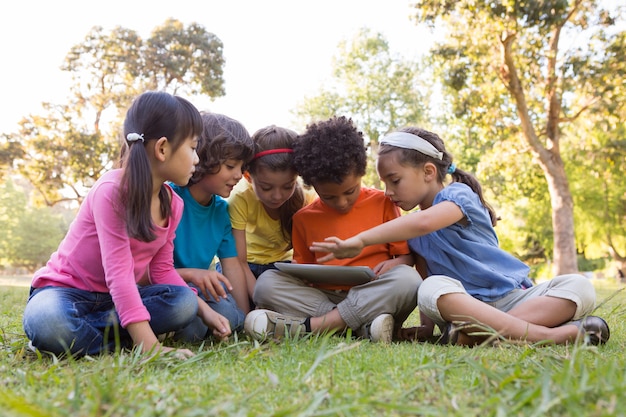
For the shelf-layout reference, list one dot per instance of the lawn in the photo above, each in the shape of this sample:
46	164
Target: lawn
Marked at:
320	376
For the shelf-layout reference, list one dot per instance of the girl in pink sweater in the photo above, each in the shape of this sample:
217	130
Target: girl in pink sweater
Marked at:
86	299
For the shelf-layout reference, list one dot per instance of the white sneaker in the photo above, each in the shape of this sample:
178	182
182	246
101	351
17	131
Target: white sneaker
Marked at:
380	329
261	324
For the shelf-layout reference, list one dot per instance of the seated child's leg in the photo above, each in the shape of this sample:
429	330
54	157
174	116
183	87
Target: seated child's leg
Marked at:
227	307
62	320
171	307
458	306
554	302
429	292
394	292
280	292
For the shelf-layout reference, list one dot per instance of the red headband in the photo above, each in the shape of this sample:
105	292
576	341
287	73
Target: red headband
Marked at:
272	151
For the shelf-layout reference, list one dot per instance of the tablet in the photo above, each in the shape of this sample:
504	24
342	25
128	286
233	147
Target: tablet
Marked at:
328	274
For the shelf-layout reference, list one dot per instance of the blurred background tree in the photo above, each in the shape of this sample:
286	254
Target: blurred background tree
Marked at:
528	96
377	88
65	150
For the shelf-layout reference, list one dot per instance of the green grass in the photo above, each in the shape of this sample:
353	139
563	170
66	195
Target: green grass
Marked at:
320	376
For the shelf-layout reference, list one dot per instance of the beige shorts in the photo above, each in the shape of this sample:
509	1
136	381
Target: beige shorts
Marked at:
573	287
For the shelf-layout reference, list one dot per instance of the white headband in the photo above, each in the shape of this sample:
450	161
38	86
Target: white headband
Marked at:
411	141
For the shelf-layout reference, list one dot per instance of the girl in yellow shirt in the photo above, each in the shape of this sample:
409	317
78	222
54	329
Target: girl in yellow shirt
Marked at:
262	207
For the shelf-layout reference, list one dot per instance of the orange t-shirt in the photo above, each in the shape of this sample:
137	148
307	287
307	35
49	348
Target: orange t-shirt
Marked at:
317	221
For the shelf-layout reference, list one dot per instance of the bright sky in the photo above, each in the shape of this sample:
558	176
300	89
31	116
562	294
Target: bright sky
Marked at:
277	51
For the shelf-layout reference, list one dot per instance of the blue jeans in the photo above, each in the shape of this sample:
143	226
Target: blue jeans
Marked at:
69	320
227	307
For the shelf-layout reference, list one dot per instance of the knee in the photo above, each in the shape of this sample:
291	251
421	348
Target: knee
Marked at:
426	290
186	308
586	293
172	304
48	326
408	279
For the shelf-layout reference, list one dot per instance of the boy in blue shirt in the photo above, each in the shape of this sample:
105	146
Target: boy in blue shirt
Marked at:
205	231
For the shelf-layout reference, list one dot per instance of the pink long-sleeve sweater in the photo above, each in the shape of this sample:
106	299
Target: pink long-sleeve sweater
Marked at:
98	255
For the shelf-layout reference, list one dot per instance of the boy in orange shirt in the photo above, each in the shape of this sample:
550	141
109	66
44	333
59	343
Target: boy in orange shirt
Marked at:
331	156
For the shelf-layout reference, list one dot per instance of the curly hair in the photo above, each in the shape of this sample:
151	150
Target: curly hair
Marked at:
222	138
330	150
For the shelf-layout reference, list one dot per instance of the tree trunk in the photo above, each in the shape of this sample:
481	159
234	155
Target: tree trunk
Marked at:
549	158
565	260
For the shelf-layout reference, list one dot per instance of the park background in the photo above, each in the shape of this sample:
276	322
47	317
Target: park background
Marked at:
528	96
289	62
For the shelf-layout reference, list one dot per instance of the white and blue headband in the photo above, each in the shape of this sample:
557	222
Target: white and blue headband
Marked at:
410	141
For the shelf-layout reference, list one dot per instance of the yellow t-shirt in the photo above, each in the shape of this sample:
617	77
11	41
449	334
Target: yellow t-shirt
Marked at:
264	239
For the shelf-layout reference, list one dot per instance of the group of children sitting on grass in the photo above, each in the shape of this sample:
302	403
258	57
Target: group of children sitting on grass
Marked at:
138	261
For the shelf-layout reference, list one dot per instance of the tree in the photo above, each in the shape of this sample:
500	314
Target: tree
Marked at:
62	157
510	72
29	234
65	150
184	60
597	165
10	150
376	88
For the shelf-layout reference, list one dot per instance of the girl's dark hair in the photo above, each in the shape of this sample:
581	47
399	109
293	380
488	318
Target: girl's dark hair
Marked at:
330	150
222	139
153	114
414	158
274	137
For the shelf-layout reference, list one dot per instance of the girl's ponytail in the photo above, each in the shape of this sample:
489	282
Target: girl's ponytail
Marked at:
151	116
471	181
136	192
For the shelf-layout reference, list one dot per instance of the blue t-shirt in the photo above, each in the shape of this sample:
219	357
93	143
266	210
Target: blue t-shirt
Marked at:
470	252
203	232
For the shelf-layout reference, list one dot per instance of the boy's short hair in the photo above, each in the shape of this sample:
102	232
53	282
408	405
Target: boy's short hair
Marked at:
330	150
222	138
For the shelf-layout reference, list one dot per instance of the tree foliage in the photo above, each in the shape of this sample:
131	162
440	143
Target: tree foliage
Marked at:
29	234
184	60
63	151
597	162
378	89
514	75
61	155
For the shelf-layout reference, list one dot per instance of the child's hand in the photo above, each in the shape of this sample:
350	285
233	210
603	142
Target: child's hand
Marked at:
143	336
179	353
385	266
338	248
222	330
209	283
419	333
219	325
